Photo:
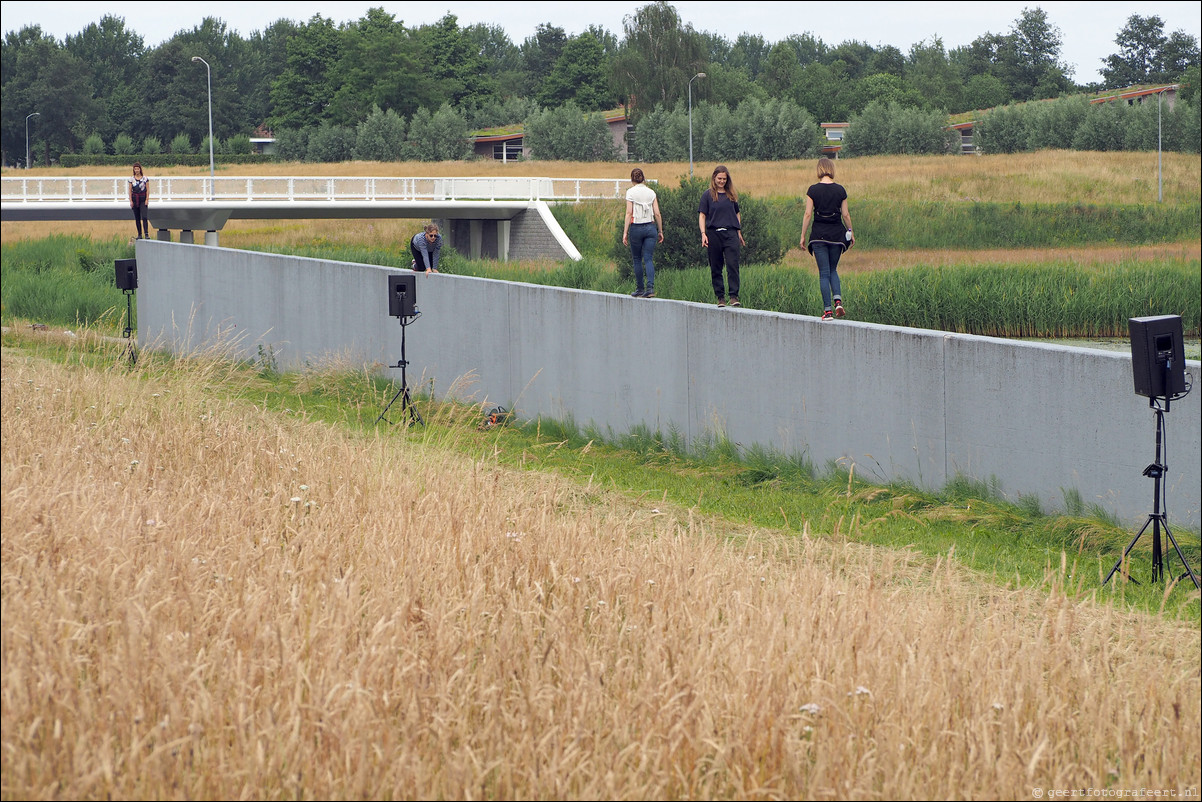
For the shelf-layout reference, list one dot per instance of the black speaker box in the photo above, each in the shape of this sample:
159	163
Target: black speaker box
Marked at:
127	274
1157	355
402	295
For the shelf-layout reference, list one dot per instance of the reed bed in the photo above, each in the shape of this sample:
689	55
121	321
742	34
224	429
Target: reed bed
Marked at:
206	599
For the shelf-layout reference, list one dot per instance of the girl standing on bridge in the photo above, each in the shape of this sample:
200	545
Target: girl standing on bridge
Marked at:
139	200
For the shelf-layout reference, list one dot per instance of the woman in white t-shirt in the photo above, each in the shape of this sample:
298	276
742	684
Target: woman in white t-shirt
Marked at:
644	228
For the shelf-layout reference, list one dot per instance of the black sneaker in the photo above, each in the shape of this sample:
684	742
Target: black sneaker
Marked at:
637	293
648	293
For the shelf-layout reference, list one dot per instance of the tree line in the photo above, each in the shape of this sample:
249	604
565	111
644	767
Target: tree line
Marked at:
376	85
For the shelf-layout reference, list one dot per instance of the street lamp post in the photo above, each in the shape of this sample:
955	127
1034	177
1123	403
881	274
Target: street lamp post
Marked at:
212	171
35	114
694	78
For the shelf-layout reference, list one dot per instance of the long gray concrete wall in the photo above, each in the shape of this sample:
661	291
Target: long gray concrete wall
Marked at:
920	405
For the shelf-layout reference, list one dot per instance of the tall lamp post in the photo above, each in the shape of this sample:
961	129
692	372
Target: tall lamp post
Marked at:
35	114
212	171
694	78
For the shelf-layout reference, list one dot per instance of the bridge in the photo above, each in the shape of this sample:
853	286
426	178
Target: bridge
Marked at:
483	217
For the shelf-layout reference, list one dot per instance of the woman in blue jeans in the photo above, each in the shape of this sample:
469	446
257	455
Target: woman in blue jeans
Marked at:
644	228
826	204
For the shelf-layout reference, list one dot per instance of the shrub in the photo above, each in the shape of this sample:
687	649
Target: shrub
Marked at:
441	136
291	144
181	143
123	145
1002	130
93	145
152	146
568	134
381	137
330	143
238	144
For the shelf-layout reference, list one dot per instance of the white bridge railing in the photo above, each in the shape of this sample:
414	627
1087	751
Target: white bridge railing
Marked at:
284	188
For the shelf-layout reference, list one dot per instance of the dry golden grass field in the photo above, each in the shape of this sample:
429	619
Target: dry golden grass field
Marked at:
1045	177
207	600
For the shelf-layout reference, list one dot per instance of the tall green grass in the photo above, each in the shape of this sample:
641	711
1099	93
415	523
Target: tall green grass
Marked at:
903	225
63	280
67	281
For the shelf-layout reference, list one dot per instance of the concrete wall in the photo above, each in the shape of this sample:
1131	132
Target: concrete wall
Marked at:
916	404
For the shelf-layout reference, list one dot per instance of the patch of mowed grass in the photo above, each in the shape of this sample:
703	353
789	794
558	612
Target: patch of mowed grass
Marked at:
1010	544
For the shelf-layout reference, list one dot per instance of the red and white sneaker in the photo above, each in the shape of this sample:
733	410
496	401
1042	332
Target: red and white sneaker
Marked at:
827	315
839	310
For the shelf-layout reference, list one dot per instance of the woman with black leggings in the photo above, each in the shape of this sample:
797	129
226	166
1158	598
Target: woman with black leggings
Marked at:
139	200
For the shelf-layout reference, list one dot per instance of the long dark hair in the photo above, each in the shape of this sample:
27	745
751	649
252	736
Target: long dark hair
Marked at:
730	184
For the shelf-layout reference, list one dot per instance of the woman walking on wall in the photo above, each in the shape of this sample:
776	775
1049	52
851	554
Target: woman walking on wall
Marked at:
826	204
644	228
722	234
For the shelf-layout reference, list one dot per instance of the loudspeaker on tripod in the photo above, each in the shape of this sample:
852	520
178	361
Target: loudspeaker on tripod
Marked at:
402	295
1157	342
127	274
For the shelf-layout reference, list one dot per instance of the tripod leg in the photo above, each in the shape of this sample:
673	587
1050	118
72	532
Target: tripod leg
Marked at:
1180	555
390	403
1127	550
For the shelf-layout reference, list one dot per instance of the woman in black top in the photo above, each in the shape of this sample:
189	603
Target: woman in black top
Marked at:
722	233
826	204
139	200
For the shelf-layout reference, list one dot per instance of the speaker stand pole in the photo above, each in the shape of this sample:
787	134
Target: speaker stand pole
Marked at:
130	347
403	392
1157	519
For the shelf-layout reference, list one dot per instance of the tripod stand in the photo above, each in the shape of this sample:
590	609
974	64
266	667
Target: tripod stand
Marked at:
403	392
130	348
1157	519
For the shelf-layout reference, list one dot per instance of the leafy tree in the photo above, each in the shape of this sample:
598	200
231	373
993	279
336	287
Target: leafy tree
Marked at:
381	137
1053	125
330	143
110	53
291	144
1034	44
238	145
539	54
930	73
459	71
749	53
983	91
302	93
1002	130
884	128
1140	42
504	58
1189	84
580	74
441	136
856	57
888	60
568	134
379	65
885	87
181	143
1104	128
152	146
782	72
1179	54
727	85
661	135
93	145
123	145
657	57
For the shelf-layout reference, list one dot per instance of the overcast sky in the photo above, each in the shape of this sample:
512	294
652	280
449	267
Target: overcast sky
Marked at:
1088	28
